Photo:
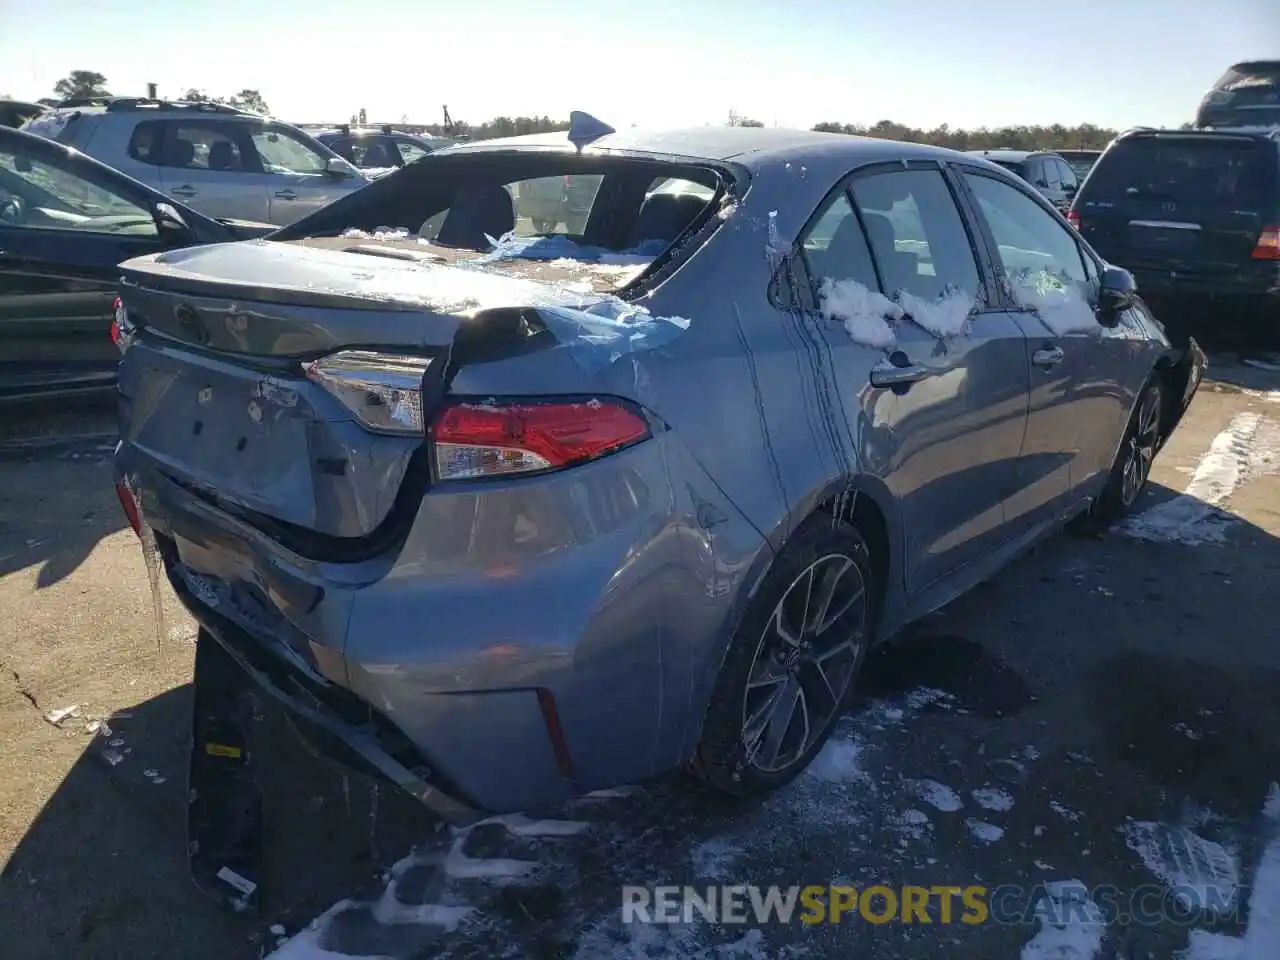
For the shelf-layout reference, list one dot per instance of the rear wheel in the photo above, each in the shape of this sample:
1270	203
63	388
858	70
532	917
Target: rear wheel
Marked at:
790	666
1132	467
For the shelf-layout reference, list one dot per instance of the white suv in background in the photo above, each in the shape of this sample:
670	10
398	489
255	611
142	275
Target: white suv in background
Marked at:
221	161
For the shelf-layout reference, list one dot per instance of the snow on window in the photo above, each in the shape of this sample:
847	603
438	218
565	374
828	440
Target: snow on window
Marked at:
948	316
1056	300
379	233
866	315
511	247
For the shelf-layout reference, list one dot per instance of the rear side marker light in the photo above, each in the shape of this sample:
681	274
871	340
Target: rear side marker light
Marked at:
494	440
383	391
1268	246
130	506
122	329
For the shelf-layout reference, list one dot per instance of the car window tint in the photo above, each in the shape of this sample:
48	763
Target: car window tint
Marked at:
835	246
194	146
551	204
39	195
1052	176
916	233
1031	241
281	152
1186	169
345	148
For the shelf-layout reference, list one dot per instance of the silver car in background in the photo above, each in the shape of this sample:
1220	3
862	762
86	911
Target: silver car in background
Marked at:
224	162
510	516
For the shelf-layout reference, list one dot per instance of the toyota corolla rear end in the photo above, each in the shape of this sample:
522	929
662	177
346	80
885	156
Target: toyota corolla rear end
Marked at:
466	589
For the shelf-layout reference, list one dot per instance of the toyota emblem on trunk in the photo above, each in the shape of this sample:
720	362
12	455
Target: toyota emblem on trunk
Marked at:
190	323
1169	207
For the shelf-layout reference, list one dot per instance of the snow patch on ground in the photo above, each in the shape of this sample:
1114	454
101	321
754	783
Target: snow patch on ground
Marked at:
993	798
1057	301
1202	874
1062	810
937	795
714	859
1248	447
1071	925
837	761
986	832
1261	939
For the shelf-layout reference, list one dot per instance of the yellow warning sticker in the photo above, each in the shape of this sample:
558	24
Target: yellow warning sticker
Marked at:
221	750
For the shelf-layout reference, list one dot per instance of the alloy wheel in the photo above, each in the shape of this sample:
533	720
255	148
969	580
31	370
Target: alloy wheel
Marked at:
1141	447
804	663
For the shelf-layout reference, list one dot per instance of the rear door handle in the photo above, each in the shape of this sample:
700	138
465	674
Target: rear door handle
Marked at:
286	195
1048	357
183	191
888	375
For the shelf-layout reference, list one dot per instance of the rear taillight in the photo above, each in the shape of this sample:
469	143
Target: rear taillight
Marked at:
130	506
383	391
473	440
1268	245
1073	218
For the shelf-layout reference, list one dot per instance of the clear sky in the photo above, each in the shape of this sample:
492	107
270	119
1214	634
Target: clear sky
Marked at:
1115	63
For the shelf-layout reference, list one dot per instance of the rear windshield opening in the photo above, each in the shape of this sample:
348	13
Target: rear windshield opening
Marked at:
599	222
1186	169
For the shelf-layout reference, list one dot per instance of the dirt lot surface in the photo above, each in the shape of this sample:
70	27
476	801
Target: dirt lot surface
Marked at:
1104	711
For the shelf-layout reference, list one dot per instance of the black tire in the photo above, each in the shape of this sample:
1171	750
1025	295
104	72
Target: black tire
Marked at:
1132	467
724	758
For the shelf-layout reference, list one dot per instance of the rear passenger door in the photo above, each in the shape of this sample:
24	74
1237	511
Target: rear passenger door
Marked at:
1079	371
209	165
949	410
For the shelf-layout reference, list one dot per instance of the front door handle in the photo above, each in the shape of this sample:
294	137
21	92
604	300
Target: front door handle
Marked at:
286	195
1048	357
183	191
889	375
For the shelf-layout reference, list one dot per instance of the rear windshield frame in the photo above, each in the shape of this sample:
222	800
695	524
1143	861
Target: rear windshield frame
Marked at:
426	187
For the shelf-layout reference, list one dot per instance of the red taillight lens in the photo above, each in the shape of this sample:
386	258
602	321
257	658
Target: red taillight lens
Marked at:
1073	218
130	506
121	327
1268	245
487	440
115	321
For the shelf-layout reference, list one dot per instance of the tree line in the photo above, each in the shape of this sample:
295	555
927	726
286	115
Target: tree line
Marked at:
1084	136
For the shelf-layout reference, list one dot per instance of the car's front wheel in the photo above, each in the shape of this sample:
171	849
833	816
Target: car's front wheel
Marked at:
1132	467
789	669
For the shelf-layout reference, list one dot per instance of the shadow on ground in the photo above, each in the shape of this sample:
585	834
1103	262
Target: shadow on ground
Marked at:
102	873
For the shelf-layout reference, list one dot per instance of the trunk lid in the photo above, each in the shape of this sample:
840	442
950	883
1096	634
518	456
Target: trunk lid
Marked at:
1190	204
215	390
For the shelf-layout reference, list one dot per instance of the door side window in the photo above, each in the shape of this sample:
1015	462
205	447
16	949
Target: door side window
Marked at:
1036	250
281	152
916	233
410	151
39	195
202	146
835	247
1052	178
1067	175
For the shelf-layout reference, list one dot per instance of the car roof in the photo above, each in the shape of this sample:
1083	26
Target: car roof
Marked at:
1008	155
746	146
1269	134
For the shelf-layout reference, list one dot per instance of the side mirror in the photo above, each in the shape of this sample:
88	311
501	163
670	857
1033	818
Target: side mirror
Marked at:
1117	291
172	227
337	167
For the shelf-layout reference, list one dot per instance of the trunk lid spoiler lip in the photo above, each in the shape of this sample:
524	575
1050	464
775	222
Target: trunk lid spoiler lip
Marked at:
365	301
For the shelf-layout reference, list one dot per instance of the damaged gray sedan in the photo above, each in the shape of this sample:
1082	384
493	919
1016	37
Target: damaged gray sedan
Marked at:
507	516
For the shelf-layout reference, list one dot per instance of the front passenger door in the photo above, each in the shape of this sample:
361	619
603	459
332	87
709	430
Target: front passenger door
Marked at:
1078	404
61	235
298	179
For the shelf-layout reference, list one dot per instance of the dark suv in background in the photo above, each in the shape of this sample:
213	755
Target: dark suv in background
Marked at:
1044	170
1195	216
1247	95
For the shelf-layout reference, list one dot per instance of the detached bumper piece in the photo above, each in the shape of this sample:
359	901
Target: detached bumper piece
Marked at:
224	813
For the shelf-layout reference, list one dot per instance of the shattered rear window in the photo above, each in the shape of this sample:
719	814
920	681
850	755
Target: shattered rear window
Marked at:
597	231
